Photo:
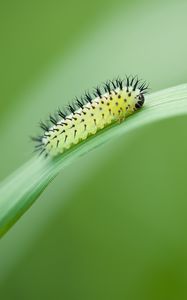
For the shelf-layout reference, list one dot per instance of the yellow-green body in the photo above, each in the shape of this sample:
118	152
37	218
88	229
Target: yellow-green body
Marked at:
110	107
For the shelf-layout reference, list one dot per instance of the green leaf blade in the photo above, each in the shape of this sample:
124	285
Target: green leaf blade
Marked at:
19	191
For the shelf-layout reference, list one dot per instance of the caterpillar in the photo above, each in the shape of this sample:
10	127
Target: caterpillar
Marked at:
116	100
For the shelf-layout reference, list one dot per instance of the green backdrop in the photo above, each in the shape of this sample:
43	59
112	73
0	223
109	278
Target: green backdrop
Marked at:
112	225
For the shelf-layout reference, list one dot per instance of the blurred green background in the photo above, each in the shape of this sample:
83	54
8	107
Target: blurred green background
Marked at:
112	225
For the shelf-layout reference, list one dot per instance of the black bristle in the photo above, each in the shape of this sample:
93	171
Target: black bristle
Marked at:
39	146
107	87
43	150
88	97
98	92
143	87
135	84
127	83
53	120
113	83
83	99
61	114
44	126
71	108
79	103
37	138
132	80
119	83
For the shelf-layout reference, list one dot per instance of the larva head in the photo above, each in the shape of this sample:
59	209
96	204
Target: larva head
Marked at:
139	90
139	100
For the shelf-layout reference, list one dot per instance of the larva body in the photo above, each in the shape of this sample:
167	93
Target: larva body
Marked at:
118	101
